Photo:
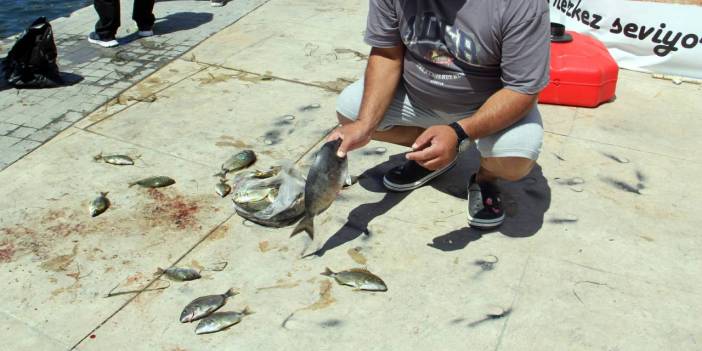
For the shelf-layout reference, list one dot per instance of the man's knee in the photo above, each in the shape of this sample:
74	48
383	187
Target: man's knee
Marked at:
509	168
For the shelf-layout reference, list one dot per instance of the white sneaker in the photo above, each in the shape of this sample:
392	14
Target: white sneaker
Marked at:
145	33
217	3
94	38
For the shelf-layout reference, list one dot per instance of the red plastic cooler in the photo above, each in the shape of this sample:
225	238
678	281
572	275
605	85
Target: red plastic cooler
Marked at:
583	73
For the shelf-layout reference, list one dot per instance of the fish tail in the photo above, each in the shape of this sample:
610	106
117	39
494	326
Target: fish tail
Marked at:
306	225
133	184
160	270
328	272
98	157
231	292
247	311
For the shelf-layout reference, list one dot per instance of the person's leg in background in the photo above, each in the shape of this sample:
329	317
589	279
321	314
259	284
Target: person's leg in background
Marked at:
107	24
143	15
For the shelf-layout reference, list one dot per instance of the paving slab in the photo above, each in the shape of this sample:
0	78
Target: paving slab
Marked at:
658	122
562	305
231	111
51	246
299	44
629	212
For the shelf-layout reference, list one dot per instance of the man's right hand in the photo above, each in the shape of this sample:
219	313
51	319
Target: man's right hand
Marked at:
354	135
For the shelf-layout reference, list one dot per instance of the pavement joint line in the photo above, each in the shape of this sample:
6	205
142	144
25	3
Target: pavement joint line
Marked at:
106	105
295	81
205	237
623	147
143	147
517	294
304	153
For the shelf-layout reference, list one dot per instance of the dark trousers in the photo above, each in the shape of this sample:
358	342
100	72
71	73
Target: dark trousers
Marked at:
108	11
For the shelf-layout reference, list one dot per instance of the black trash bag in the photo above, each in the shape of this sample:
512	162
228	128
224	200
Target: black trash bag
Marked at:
31	63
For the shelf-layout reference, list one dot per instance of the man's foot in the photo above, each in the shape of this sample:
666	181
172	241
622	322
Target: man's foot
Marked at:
144	33
94	38
484	205
217	3
411	176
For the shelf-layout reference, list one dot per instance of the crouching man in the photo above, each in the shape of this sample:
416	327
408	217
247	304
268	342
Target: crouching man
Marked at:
442	74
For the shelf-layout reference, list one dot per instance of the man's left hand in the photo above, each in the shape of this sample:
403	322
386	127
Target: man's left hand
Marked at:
435	148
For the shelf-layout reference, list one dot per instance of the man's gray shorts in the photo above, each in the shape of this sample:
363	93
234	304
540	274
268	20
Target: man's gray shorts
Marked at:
522	139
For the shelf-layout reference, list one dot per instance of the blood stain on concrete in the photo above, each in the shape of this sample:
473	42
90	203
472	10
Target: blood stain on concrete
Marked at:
7	251
173	209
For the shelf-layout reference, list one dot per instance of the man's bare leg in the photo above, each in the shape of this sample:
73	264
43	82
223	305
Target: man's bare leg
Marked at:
507	168
399	135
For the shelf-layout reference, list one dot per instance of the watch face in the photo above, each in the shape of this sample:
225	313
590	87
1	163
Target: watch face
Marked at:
463	145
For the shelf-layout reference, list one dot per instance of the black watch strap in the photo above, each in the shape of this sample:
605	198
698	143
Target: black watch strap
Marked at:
460	133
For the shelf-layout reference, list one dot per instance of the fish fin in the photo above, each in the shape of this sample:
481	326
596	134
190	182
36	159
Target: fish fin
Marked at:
306	225
246	311
231	292
359	270
328	272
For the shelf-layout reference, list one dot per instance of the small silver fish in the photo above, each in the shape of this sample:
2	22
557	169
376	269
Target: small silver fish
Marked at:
220	321
222	188
203	306
99	205
358	278
154	182
119	160
238	161
180	274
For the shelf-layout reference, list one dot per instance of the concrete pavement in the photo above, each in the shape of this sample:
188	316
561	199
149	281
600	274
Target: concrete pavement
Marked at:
31	117
599	251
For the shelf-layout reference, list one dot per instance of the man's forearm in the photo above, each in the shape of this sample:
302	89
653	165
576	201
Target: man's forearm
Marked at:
381	79
500	111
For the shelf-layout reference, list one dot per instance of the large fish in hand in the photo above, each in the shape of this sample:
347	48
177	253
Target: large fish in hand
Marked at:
324	181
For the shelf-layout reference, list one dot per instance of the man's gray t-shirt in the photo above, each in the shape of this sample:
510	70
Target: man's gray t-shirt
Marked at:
460	52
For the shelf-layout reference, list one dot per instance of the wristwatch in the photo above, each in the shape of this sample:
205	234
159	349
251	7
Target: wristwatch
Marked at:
461	136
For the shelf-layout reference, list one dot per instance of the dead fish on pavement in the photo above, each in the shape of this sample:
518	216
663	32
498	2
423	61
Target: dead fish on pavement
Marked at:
154	182
99	205
238	161
358	278
222	188
324	182
257	200
180	274
267	173
119	160
203	306
220	321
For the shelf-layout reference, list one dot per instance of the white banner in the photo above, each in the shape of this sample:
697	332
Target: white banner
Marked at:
641	36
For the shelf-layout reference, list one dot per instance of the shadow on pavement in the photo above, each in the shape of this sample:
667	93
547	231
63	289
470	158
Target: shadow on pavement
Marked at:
359	218
525	203
181	21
